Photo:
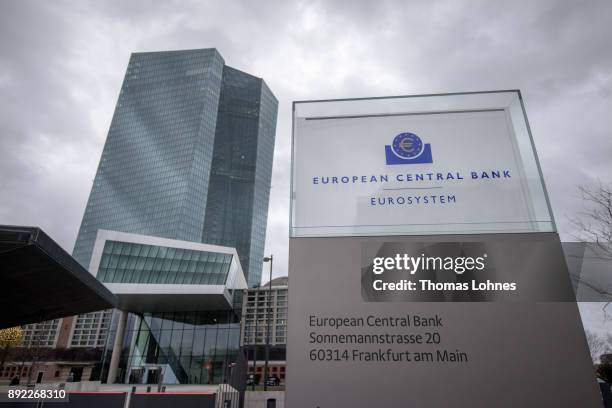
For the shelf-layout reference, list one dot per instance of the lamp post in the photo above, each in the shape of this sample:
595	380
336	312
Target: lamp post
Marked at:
255	339
268	310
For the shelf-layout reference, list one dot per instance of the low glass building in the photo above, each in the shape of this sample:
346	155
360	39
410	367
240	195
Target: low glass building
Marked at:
184	347
177	323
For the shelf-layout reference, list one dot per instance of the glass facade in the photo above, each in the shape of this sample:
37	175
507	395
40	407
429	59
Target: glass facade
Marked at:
239	190
187	347
125	262
155	167
188	156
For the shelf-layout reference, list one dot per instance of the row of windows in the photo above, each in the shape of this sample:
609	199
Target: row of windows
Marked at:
263	292
251	320
266	304
264	313
139	263
10	371
262	340
144	250
41	334
91	329
170	69
86	326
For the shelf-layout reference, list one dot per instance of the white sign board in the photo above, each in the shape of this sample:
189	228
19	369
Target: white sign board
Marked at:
435	172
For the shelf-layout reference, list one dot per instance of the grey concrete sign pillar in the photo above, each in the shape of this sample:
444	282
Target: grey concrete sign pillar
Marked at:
117	347
426	269
522	348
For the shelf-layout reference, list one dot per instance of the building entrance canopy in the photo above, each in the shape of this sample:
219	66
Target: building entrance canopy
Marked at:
41	281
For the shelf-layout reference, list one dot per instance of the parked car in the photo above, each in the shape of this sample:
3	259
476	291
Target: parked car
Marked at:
250	380
273	381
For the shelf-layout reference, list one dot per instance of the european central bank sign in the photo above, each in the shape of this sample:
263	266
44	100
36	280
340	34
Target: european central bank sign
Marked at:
448	171
424	261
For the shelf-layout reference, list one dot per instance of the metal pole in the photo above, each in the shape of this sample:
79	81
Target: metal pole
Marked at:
256	312
268	310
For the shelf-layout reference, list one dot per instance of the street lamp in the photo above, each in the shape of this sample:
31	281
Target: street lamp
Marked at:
269	307
255	338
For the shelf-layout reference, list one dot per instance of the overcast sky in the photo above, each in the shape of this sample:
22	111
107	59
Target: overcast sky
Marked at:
62	64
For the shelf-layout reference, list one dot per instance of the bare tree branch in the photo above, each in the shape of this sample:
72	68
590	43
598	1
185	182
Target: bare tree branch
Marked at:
598	345
594	225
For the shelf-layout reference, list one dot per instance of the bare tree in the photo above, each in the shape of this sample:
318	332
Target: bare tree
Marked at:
593	227
598	344
594	224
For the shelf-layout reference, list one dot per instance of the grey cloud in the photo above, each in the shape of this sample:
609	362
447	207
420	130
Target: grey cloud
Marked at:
556	52
38	116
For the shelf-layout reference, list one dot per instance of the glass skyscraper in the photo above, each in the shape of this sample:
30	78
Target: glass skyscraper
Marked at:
188	157
239	187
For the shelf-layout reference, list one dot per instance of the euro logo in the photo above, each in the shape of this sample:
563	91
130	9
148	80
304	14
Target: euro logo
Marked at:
408	148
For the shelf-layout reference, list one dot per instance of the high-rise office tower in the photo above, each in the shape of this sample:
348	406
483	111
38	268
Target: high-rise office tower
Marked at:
188	156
